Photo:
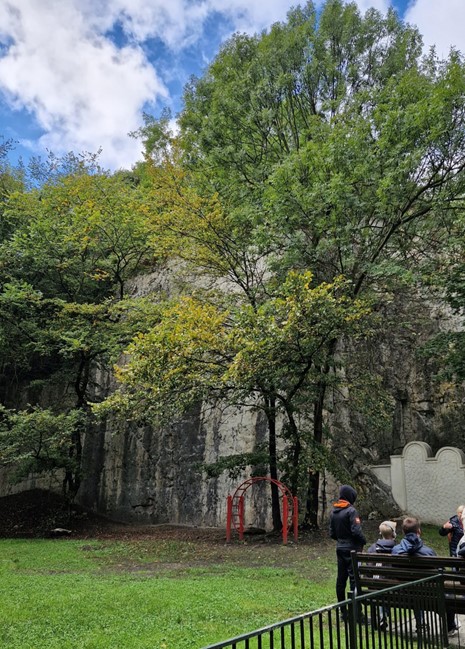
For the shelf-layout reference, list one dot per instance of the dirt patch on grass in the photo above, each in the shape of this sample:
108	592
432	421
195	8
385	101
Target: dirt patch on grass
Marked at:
36	514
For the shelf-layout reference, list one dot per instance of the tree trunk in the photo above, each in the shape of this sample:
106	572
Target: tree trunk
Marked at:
73	474
296	450
313	488
271	418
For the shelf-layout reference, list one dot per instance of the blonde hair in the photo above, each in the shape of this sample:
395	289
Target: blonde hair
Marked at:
387	529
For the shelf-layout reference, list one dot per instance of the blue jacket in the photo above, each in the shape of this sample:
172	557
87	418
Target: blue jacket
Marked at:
413	545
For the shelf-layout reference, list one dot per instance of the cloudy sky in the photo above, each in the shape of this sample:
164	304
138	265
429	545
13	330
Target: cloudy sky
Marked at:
77	74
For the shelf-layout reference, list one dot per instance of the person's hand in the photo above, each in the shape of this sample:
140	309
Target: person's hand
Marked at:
447	526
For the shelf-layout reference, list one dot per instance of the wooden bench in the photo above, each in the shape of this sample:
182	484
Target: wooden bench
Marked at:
375	572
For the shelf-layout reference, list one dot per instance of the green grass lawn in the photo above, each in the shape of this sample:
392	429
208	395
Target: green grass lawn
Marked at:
157	594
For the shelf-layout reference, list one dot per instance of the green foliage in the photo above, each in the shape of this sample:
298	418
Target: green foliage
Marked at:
37	440
335	138
71	246
235	464
335	148
79	237
200	351
266	357
155	135
317	166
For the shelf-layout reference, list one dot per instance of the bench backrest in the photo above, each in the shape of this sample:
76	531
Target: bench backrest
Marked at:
375	572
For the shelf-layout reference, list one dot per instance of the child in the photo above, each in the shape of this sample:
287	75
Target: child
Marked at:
387	532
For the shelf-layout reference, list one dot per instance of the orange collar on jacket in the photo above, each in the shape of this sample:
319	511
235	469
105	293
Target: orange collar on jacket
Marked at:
341	504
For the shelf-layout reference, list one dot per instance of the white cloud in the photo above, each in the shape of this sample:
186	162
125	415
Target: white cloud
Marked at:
181	21
84	92
252	15
176	22
381	5
59	63
440	23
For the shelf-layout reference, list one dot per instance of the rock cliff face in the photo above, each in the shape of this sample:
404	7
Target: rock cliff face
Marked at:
155	476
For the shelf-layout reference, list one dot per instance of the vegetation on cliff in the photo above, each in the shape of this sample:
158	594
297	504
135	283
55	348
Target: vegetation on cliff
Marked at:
319	169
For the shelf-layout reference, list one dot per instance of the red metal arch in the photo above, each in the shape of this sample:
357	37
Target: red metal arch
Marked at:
235	507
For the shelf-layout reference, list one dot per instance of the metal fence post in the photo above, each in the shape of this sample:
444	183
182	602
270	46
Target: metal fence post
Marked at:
352	620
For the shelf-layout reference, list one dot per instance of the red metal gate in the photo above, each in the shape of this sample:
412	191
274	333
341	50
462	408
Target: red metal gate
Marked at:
235	508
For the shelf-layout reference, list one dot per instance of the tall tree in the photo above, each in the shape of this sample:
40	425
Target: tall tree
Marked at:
260	357
333	146
73	244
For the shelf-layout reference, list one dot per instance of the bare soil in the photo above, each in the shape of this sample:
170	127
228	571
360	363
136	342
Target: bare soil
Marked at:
38	514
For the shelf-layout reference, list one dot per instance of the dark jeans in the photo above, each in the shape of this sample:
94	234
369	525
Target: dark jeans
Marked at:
344	573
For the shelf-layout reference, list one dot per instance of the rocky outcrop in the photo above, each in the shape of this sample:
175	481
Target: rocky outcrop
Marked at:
156	475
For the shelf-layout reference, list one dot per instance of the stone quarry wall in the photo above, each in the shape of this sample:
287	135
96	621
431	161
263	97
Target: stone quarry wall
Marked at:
154	475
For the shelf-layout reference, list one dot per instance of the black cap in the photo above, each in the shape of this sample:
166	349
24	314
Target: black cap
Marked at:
346	492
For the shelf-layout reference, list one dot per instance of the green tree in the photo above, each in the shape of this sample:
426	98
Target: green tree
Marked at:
262	358
445	352
73	245
330	145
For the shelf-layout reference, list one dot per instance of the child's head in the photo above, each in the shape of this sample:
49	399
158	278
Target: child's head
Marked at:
411	525
460	509
387	529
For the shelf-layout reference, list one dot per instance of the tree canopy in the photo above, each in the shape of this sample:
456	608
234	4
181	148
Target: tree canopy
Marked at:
72	245
317	172
329	145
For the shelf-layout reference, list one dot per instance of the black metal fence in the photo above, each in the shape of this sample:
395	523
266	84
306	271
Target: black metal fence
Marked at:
410	615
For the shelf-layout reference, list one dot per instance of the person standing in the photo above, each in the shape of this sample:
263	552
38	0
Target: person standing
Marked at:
453	529
346	529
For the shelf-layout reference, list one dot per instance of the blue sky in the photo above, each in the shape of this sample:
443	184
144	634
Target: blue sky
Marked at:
78	74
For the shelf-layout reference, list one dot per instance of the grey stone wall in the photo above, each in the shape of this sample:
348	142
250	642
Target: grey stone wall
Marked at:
154	475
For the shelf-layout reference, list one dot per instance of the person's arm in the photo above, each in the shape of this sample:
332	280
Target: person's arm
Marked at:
445	529
356	528
332	531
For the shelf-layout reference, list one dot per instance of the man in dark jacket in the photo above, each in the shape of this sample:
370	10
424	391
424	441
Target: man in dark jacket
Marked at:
345	528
